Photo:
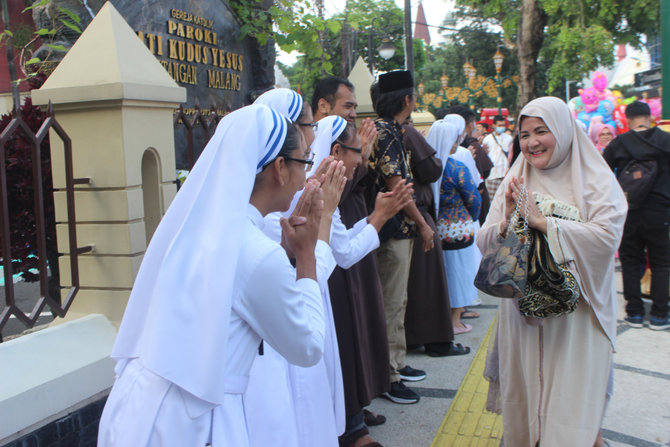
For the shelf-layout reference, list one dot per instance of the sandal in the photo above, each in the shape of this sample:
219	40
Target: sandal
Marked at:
467	313
458	349
462	330
435	349
371	419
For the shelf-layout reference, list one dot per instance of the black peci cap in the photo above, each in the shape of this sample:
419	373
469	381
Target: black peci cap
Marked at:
395	80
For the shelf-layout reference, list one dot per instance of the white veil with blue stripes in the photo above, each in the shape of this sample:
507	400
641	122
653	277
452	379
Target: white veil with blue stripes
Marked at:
177	318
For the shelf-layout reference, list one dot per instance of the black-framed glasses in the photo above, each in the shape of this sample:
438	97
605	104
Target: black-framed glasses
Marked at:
308	162
351	148
314	126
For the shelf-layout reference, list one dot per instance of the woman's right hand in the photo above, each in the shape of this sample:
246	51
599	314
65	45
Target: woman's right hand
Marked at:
321	169
509	207
509	199
301	229
332	186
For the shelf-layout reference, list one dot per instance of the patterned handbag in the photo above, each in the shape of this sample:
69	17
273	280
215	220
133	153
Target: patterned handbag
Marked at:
551	289
504	266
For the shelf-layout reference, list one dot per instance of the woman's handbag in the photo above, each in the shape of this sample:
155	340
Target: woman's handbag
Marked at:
504	266
551	289
456	235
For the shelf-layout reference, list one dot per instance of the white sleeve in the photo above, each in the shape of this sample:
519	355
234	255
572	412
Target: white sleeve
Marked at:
325	263
350	246
286	312
358	226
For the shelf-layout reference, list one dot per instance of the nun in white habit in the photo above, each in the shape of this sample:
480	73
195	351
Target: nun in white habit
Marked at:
317	396
313	414
271	414
212	286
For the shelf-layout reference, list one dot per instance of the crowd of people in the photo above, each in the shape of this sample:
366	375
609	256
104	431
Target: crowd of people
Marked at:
304	256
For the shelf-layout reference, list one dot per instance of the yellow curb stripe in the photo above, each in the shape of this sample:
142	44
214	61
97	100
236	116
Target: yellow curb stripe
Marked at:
467	423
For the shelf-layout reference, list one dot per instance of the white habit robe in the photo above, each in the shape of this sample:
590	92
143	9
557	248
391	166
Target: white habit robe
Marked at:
304	406
268	303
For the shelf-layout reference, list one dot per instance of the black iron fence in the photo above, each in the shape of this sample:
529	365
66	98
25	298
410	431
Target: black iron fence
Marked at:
58	307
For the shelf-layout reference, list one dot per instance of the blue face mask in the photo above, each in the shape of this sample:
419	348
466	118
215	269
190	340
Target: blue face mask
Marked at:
500	129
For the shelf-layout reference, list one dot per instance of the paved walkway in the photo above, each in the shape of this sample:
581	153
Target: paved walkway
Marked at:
451	411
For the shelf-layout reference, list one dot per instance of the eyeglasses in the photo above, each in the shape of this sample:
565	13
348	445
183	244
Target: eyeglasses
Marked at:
309	161
351	148
314	126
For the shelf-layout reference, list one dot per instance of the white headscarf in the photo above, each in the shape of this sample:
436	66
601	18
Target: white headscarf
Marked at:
462	154
283	100
456	120
327	131
177	317
576	175
288	103
441	136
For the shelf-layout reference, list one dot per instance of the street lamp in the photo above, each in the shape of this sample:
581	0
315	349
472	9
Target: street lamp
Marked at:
386	50
444	80
474	86
498	59
469	69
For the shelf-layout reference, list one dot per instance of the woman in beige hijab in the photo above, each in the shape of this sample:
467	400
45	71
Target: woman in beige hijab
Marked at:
552	373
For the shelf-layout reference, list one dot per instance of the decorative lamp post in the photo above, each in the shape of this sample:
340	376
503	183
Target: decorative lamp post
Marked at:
444	79
498	59
475	86
469	70
470	73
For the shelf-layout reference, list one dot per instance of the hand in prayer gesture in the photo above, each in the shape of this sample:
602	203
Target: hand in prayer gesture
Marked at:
322	168
368	133
535	218
388	204
301	229
332	184
513	194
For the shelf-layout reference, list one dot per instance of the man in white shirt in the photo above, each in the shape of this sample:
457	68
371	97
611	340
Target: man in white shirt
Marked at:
497	144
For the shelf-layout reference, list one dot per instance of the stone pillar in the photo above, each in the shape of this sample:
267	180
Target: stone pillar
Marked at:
115	101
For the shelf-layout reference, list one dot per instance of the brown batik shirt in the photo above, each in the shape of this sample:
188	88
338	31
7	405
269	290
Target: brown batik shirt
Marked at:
389	159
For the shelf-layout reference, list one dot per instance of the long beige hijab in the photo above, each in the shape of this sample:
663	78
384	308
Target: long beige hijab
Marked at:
576	175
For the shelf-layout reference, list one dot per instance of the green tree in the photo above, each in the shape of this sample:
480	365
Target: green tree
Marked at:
572	37
293	26
363	18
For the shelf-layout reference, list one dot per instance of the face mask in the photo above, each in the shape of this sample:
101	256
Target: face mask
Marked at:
500	129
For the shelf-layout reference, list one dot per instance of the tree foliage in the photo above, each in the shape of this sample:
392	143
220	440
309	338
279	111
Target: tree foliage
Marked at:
580	34
320	41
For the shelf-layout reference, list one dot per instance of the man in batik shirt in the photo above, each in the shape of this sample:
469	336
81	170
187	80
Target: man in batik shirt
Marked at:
389	164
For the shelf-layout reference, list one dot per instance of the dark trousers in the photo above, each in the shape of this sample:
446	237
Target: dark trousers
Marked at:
355	429
646	229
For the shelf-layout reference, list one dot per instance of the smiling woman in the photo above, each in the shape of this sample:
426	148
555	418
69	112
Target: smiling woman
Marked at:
579	211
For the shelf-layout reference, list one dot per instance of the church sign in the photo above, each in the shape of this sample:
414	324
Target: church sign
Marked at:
198	43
